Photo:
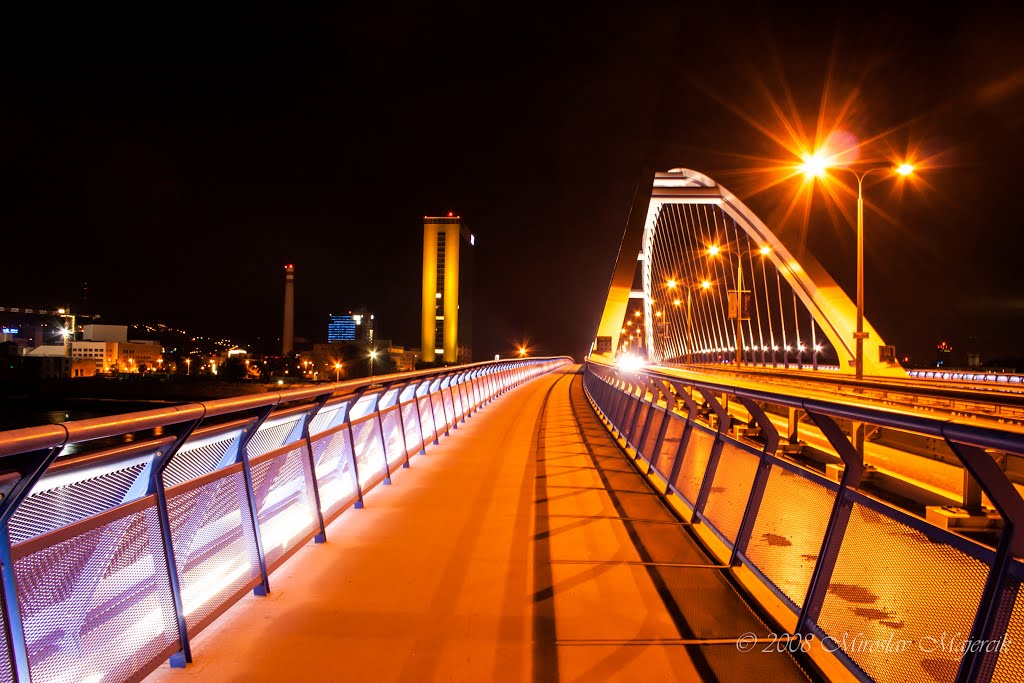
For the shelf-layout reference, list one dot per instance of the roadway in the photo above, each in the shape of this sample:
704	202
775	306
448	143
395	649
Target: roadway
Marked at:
525	546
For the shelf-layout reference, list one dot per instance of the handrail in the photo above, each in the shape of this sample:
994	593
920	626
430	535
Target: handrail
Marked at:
832	562
245	494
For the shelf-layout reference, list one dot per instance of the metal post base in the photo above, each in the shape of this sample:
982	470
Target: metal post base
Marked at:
358	505
261	591
177	660
320	538
387	481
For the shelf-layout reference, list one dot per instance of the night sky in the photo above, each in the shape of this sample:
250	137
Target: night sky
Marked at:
176	162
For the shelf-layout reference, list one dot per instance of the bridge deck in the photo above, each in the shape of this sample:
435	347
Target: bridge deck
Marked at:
525	546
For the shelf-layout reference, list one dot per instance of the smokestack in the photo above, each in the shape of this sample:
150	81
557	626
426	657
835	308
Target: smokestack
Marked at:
288	336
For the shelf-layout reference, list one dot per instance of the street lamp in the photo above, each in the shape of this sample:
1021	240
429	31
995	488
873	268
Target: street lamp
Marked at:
817	166
715	250
373	357
337	371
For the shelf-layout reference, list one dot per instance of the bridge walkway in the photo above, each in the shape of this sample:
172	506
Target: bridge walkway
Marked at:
526	546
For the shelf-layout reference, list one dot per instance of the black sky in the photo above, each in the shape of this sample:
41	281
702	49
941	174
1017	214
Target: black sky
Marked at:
175	162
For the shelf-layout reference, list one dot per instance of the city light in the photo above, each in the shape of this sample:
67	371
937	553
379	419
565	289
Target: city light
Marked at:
522	351
814	165
765	251
714	250
629	362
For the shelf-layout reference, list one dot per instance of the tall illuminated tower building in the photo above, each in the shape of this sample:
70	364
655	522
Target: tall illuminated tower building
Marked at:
447	290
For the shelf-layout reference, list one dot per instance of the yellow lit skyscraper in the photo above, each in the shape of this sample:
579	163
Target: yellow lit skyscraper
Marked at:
447	295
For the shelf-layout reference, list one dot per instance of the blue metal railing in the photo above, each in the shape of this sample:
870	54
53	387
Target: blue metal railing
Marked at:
889	595
112	561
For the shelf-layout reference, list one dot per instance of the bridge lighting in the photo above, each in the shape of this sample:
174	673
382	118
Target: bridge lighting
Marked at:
672	284
765	251
706	284
817	347
658	314
522	351
814	165
629	362
637	314
714	250
677	302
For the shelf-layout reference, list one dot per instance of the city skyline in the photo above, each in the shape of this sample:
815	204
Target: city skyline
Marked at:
222	165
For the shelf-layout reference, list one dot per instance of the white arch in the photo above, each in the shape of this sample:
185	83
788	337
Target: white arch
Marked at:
827	303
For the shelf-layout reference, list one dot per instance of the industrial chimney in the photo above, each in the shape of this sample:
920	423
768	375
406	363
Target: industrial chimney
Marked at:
288	335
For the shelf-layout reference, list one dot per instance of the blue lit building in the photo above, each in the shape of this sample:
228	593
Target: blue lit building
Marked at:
354	326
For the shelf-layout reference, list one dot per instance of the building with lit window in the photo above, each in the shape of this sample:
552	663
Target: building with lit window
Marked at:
447	311
355	326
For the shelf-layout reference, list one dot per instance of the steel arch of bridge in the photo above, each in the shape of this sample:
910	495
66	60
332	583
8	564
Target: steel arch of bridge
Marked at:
825	302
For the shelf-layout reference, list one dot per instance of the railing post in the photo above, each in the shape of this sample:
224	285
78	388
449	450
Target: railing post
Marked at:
724	421
444	408
401	423
383	441
156	487
353	462
254	513
764	466
991	622
312	413
684	438
419	415
430	402
462	397
653	406
16	486
837	523
659	440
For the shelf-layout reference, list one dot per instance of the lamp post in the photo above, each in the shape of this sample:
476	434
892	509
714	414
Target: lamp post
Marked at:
816	166
337	371
703	286
373	357
715	250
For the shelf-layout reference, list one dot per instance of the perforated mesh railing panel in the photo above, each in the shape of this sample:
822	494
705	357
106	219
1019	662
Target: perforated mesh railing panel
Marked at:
637	420
271	437
60	506
439	413
393	441
6	669
97	605
695	463
192	462
789	530
327	417
334	474
1009	659
458	409
730	489
284	501
411	422
651	438
894	584
214	544
369	454
449	407
425	410
670	445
